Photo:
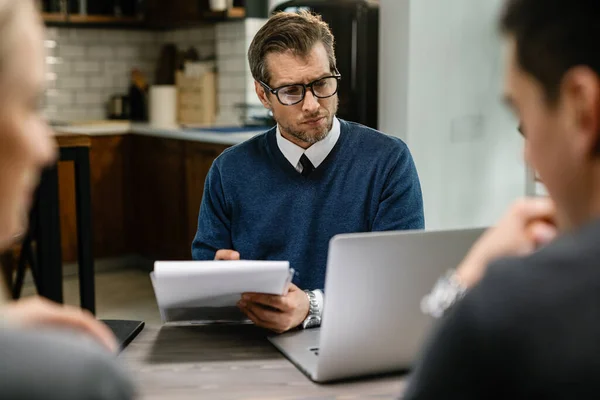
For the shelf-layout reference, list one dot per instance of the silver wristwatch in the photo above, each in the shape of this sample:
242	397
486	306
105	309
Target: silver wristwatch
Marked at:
314	313
446	292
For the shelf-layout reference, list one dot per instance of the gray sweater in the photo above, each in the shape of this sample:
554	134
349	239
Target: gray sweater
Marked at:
530	329
52	365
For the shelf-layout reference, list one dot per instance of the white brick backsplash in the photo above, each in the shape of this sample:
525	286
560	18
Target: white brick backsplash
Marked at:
181	35
100	52
110	36
52	33
231	99
71	51
89	98
150	52
228	48
232	65
50	44
135	37
129	52
84	35
228	116
100	82
230	30
207	50
86	66
200	35
224	48
169	37
50	114
71	82
121	82
96	63
85	113
224	83
59	97
237	82
116	67
61	69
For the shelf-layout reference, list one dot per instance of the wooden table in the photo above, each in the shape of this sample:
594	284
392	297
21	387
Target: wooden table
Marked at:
231	362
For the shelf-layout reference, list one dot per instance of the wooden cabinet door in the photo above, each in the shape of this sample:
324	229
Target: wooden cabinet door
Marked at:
158	206
107	166
107	155
198	160
170	13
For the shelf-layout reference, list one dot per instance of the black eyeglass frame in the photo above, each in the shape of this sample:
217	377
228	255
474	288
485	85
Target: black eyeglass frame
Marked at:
275	91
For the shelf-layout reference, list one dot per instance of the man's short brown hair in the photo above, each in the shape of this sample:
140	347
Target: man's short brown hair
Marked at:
286	31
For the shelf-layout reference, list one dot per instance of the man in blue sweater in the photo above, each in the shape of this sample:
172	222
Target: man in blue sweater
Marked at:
284	194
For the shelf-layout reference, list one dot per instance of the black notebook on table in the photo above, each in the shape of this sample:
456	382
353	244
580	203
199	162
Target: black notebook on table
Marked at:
124	330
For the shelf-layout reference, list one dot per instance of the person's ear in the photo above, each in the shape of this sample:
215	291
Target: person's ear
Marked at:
261	92
580	92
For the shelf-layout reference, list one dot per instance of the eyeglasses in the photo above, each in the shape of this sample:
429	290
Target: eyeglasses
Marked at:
289	95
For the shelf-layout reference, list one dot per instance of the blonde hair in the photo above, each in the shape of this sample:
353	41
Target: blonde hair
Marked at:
12	13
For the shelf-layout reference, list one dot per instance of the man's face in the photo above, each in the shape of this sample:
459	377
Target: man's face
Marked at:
559	146
310	120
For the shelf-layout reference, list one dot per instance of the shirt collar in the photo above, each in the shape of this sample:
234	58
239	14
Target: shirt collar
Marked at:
317	153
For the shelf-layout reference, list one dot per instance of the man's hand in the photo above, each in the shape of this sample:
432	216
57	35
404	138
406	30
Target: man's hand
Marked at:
277	313
529	223
227	255
38	313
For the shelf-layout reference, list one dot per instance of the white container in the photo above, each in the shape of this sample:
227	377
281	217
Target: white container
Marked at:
221	5
163	106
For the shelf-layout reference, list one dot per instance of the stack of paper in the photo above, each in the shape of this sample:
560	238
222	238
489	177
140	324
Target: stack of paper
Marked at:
208	291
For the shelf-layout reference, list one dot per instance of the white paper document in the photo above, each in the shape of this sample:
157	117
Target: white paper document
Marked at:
208	291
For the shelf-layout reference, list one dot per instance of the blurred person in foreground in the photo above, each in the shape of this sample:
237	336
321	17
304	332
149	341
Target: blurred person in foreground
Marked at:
48	351
529	324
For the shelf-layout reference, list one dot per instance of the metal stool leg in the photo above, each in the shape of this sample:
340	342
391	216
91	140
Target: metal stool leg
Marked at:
22	266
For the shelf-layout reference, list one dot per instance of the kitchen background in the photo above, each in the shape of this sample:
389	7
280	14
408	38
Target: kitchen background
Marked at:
426	71
439	66
87	66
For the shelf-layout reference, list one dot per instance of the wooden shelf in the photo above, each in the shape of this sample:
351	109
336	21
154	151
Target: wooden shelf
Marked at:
92	20
232	13
53	17
75	20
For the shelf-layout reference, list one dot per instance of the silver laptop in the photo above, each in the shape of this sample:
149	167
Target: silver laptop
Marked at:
372	320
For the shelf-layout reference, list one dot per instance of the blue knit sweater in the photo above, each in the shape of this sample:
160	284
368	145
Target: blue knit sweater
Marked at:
255	202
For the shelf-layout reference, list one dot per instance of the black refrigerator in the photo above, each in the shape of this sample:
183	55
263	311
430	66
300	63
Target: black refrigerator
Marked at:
355	25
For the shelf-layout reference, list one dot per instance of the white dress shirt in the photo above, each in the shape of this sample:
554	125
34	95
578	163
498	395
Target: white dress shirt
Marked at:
317	153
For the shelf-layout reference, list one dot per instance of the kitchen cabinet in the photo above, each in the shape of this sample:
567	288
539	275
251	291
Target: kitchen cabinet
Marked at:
153	14
108	155
183	12
108	187
146	194
167	183
198	160
157	182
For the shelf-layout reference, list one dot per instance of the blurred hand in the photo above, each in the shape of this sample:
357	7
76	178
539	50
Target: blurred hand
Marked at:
227	255
39	313
277	313
529	224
